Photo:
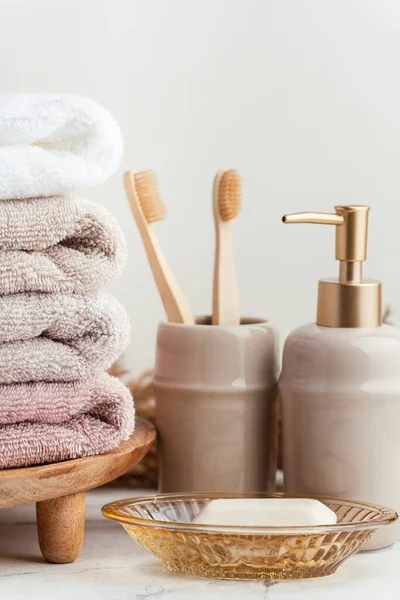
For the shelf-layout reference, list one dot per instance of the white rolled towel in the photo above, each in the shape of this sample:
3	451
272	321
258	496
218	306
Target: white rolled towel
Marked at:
54	143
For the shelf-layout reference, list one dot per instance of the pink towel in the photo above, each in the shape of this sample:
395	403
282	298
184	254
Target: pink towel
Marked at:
55	337
58	244
43	423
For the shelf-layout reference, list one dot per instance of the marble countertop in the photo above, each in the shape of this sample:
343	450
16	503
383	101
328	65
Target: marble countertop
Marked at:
113	567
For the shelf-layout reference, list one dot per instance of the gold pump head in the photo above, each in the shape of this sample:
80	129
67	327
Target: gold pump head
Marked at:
348	301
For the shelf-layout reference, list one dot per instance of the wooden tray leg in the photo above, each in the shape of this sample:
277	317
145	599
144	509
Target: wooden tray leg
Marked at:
60	526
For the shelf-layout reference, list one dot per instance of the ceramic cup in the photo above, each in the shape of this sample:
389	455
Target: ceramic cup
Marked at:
216	406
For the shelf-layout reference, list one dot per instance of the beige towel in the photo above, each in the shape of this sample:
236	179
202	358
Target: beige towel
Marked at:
56	337
58	244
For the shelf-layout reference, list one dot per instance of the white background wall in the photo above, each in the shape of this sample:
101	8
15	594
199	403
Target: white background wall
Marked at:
302	96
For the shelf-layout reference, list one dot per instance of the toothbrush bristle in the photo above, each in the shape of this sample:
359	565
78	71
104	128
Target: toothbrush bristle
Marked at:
229	194
147	191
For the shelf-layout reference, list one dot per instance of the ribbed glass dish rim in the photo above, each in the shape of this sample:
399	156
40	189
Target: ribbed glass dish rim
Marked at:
112	510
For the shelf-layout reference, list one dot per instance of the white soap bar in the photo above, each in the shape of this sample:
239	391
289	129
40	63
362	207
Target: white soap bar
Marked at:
265	512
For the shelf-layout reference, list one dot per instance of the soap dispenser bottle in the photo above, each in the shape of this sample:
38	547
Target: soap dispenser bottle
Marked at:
340	384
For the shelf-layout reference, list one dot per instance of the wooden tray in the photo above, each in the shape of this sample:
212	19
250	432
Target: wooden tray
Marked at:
59	491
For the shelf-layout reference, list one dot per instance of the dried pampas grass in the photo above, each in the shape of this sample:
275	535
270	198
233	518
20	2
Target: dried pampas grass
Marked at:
145	474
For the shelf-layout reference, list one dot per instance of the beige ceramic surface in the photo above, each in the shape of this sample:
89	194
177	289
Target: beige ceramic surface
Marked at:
216	406
340	393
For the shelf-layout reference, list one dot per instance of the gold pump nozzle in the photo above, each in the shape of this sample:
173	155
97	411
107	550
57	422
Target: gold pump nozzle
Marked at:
348	301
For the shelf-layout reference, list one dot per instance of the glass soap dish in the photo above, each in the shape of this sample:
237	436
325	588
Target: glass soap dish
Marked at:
161	524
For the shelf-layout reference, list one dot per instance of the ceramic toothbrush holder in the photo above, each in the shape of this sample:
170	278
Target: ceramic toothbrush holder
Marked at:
216	406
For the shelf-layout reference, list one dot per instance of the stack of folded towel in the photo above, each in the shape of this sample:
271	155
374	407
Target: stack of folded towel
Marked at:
58	331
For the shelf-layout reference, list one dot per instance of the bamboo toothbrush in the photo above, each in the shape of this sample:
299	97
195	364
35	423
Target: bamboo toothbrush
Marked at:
226	204
146	206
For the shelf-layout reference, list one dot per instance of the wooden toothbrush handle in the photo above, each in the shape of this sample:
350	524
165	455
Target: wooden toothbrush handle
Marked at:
226	309
175	304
